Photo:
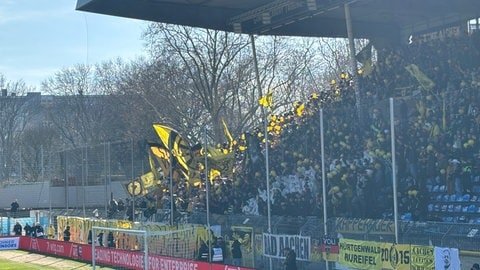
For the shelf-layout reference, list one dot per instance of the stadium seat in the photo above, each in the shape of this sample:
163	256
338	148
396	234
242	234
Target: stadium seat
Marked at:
466	197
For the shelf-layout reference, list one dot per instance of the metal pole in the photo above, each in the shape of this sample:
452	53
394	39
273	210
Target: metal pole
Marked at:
93	247
353	61
66	182
21	165
106	177
133	202
264	112
171	186
145	258
394	170
324	181
83	180
86	172
207	189
109	166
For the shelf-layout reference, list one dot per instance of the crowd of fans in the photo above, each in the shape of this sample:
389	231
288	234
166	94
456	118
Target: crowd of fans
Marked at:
437	153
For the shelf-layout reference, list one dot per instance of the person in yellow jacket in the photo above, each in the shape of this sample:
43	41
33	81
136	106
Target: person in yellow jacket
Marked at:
51	232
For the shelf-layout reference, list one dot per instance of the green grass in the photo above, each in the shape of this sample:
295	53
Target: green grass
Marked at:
7	265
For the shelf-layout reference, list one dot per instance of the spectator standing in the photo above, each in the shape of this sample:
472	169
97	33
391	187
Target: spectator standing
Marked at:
236	253
28	230
14	207
38	231
290	259
66	234
17	229
90	237
100	239
110	240
203	252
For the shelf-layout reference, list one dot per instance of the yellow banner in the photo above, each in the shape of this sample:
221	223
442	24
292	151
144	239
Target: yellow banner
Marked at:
395	256
360	254
374	255
422	258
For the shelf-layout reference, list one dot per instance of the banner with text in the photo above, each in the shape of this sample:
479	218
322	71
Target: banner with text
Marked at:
373	255
115	257
362	226
275	244
422	258
9	243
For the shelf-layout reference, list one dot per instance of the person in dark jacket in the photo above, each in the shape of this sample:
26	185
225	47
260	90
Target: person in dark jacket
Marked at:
236	253
203	252
110	240
66	234
28	230
290	259
38	231
17	229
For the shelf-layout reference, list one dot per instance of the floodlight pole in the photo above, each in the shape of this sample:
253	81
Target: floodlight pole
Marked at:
265	116
394	170
207	190
324	181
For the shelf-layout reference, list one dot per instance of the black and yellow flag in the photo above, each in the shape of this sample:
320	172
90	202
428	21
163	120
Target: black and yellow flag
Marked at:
141	186
175	144
365	58
422	79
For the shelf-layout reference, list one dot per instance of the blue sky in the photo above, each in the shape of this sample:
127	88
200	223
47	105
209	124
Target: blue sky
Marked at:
40	37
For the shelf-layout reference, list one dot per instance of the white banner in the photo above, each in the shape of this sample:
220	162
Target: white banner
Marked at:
447	258
274	245
9	243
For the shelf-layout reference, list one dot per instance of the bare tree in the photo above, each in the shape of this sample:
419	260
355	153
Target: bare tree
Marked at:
204	56
81	110
14	116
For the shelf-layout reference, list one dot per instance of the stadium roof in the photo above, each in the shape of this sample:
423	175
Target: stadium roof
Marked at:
322	18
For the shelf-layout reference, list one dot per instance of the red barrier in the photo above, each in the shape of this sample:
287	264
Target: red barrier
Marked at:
115	257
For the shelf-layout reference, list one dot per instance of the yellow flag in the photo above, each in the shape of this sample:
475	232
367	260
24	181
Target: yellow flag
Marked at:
267	100
228	135
299	110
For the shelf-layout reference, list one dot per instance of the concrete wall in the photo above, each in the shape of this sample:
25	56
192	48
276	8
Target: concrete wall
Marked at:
36	195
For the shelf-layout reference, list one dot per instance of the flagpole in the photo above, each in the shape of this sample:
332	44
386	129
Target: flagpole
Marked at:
264	112
324	181
207	189
171	184
394	170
